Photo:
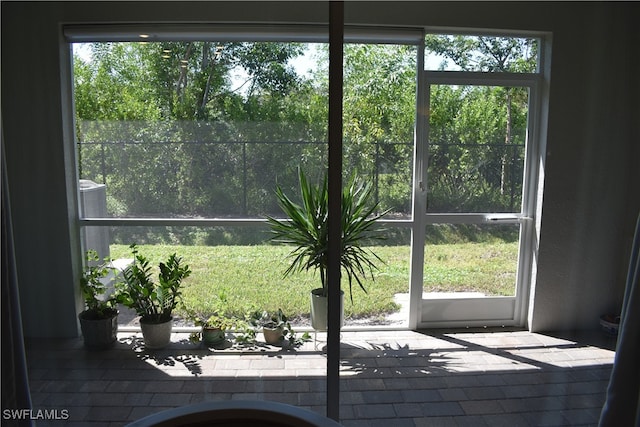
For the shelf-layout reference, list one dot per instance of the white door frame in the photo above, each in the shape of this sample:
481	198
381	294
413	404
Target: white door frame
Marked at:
469	311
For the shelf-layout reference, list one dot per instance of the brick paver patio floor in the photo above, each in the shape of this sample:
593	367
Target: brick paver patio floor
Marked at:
388	378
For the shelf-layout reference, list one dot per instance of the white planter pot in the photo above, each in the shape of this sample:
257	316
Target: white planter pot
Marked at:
319	310
156	335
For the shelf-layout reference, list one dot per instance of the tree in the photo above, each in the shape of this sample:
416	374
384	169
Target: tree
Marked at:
209	129
167	125
379	118
486	53
494	54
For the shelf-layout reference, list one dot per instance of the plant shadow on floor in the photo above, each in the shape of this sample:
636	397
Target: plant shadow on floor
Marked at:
269	350
190	354
399	360
182	352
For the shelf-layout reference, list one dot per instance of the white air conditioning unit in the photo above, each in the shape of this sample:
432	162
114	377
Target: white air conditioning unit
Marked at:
93	204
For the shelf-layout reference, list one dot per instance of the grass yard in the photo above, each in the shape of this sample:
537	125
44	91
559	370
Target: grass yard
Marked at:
251	276
488	267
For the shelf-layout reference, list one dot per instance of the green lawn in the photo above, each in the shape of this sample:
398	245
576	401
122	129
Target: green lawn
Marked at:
251	276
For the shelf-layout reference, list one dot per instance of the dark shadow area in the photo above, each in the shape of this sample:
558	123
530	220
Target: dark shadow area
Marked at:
587	337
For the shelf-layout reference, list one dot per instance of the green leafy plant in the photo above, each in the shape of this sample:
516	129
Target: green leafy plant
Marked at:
153	302
93	288
218	318
307	229
246	335
214	321
276	320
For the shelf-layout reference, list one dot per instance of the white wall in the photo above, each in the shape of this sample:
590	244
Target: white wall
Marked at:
592	184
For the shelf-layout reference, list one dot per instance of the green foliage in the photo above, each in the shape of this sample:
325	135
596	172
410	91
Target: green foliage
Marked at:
486	53
218	319
93	289
153	302
379	119
274	320
477	134
216	315
173	133
477	137
251	276
307	229
167	117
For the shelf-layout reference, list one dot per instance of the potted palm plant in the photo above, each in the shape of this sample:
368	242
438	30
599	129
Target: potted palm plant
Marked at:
306	228
99	320
153	302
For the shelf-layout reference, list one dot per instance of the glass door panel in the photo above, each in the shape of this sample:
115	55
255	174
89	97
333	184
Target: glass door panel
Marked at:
470	260
476	148
475	207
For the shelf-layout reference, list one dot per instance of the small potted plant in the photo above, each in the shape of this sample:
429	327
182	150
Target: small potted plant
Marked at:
99	320
306	229
213	323
276	328
213	328
153	302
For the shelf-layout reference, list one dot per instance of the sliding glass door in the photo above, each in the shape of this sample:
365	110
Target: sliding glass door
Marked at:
478	179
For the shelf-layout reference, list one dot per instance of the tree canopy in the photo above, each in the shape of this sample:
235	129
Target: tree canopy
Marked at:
206	129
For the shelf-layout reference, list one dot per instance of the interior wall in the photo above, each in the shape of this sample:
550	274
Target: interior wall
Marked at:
591	177
44	237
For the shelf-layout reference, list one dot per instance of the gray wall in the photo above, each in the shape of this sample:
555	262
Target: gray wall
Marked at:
592	183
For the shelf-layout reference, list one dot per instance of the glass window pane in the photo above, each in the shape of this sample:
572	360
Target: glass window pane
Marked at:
477	137
189	130
379	119
198	129
445	52
470	260
241	263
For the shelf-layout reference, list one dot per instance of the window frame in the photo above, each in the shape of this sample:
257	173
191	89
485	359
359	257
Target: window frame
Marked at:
308	33
532	187
538	83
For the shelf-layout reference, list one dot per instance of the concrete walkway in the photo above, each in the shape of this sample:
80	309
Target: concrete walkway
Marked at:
388	378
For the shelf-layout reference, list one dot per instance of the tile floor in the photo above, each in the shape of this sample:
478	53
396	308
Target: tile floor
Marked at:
388	378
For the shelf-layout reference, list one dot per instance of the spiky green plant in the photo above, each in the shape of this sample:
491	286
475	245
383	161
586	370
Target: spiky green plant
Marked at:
306	228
